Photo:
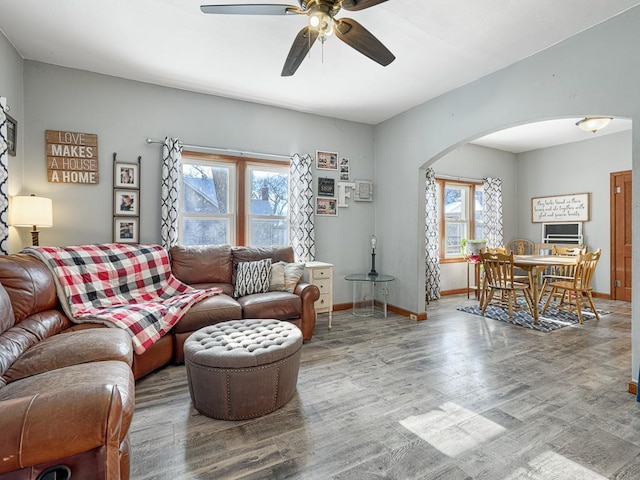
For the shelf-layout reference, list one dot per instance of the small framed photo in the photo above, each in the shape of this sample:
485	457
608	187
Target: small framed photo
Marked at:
327	206
126	202
12	135
344	169
125	230
126	175
326	187
326	160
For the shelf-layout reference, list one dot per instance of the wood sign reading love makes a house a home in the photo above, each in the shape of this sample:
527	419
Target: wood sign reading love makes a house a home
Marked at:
71	157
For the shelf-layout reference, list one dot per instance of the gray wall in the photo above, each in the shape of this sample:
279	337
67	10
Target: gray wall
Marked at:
11	87
124	113
564	81
576	168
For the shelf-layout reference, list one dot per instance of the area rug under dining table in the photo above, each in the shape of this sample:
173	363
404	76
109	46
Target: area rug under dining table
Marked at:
552	319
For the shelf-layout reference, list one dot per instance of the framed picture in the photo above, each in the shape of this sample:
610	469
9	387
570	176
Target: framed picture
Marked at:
12	135
125	230
327	206
326	160
363	191
126	175
344	169
326	187
126	202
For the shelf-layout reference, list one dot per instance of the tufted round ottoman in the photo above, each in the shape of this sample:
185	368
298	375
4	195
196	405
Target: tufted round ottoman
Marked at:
242	368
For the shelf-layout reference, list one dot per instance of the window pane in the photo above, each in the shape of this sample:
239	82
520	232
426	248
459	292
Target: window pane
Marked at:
269	193
198	231
266	232
454	233
455	203
206	189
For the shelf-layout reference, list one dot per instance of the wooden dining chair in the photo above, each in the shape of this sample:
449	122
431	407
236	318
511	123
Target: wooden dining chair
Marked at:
573	292
560	272
483	278
498	270
521	246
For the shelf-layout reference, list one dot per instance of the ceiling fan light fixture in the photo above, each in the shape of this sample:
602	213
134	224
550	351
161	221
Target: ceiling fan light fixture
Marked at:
593	124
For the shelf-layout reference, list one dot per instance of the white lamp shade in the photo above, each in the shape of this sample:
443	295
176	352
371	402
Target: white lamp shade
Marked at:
30	211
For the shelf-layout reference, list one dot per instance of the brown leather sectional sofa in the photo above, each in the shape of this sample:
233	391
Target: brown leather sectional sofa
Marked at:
67	390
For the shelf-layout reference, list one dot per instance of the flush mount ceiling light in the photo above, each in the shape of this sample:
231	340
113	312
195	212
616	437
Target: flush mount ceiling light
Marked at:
593	124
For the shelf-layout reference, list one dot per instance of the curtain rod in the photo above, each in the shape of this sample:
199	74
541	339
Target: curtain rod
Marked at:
228	151
460	179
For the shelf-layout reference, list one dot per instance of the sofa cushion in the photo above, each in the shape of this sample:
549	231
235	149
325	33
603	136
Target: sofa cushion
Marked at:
209	311
95	373
276	277
252	277
202	263
251	254
29	284
27	333
278	305
7	318
73	348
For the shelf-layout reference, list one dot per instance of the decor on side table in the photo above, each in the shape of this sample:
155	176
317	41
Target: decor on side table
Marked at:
126	201
374	242
32	212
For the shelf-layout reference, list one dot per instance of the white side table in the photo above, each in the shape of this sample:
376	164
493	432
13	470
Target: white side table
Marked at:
320	274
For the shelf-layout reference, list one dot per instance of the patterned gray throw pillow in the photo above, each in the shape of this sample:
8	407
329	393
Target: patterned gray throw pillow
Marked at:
252	277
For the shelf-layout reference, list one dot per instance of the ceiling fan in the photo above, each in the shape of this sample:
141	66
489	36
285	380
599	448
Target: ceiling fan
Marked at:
322	23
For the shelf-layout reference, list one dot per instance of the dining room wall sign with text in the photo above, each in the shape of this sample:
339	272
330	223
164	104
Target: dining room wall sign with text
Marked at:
561	208
72	157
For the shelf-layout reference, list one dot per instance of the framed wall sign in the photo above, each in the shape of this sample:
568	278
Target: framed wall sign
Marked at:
327	206
326	187
326	160
560	208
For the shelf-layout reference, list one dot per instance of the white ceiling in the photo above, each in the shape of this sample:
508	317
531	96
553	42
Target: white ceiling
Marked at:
439	45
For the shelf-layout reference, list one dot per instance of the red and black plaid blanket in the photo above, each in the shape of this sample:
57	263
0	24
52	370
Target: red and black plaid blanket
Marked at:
125	286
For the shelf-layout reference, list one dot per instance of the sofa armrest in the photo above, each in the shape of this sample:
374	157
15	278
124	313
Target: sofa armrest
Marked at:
308	294
54	425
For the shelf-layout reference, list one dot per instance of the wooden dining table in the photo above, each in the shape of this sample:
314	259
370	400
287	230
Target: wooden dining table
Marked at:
534	265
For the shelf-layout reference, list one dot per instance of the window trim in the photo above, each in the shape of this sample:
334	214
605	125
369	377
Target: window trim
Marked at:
441	184
240	186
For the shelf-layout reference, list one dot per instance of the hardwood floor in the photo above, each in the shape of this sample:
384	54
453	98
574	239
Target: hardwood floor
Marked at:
456	396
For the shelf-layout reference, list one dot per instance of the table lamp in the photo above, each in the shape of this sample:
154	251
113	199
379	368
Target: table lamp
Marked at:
374	242
33	212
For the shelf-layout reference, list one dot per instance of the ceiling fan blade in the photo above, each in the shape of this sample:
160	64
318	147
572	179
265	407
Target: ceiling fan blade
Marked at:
301	46
354	5
251	9
358	37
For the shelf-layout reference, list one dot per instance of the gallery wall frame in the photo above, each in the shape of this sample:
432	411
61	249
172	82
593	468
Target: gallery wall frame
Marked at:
326	160
12	135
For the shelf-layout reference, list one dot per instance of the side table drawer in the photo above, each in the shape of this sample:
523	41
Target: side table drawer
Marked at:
323	304
323	285
320	273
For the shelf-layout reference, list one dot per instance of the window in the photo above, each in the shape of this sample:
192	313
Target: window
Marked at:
268	197
460	207
236	201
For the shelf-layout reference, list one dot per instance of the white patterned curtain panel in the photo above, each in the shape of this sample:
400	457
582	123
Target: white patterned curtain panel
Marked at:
301	219
432	255
171	173
4	179
493	230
